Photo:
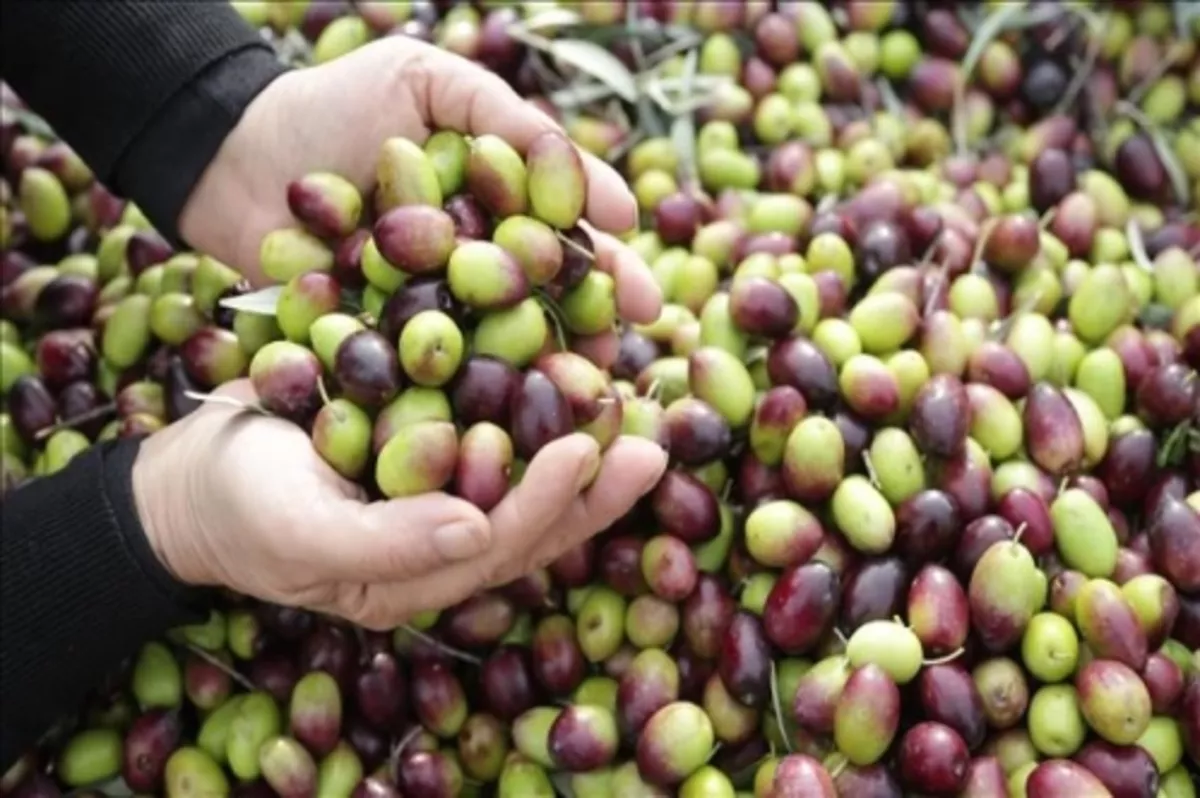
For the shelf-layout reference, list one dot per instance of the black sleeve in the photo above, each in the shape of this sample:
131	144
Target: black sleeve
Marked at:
80	590
144	90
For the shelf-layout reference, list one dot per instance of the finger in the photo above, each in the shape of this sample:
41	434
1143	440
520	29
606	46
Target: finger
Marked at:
610	204
639	298
601	349
457	94
520	524
554	478
393	541
631	468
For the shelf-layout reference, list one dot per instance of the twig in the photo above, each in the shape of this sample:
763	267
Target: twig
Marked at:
775	703
402	743
1179	181
871	473
1084	72
1161	68
575	245
442	647
221	666
75	421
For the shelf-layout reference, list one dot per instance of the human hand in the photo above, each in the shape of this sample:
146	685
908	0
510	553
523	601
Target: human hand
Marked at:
234	498
335	117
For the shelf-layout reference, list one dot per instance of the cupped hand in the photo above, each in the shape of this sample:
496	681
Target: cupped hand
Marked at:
242	500
336	116
235	498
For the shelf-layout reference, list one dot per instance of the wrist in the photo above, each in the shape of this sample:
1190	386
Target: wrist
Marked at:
228	201
162	497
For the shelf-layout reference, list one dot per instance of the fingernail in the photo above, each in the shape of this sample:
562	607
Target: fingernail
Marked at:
461	540
588	470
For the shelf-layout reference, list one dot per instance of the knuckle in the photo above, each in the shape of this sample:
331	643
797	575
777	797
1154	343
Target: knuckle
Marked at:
358	604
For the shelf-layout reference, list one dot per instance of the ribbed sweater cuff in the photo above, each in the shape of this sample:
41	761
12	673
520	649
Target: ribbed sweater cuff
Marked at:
164	164
81	590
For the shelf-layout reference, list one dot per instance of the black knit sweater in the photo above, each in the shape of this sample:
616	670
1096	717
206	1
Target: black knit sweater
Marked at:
145	92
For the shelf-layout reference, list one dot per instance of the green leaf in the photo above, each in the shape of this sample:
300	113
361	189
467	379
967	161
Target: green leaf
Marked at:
594	60
262	303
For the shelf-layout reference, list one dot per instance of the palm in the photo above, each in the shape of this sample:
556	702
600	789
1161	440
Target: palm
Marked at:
376	563
269	518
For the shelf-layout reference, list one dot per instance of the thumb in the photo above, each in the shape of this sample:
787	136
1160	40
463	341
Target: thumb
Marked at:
241	389
396	540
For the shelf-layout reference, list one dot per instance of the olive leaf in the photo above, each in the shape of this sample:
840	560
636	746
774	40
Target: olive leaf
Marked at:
601	64
1137	245
1166	155
549	17
32	123
1176	446
562	784
587	57
262	302
683	129
1185	12
1010	16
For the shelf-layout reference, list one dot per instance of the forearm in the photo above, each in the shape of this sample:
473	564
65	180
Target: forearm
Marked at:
144	91
80	590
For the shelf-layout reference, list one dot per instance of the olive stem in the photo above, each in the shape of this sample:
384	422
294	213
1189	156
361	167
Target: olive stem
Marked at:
1179	182
1086	68
942	279
980	243
1001	328
1137	245
989	28
778	709
840	635
556	317
887	96
1020	532
653	390
953	655
827	202
442	647
565	239
1047	218
74	421
871	473
402	743
1164	66
325	400
221	666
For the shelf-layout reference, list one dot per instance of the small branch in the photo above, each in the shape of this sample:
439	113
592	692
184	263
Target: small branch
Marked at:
75	421
402	743
1001	328
1179	180
775	704
221	666
442	647
1137	245
871	473
946	659
1161	68
584	251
